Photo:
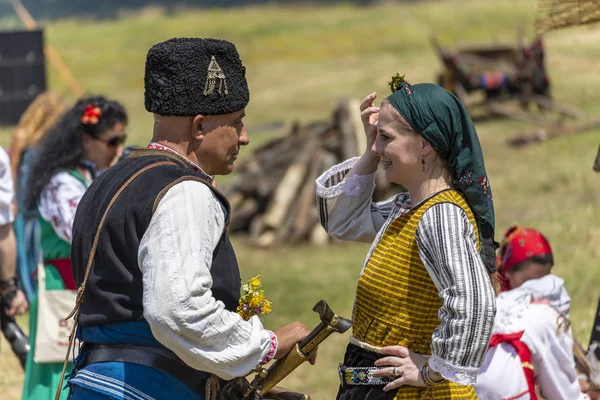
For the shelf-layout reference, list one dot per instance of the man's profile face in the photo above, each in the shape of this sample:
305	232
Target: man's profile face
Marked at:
223	137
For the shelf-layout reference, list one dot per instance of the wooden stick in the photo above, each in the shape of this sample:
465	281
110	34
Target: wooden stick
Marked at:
242	218
544	135
24	15
548	103
63	70
354	140
305	217
257	227
288	188
343	119
501	109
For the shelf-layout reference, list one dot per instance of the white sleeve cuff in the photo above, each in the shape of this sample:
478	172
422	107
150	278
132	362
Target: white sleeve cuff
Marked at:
459	375
332	182
271	348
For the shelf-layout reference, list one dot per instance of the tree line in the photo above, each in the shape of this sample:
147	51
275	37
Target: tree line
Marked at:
108	9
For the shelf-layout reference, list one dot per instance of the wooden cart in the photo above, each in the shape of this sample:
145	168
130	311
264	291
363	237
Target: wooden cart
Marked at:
509	80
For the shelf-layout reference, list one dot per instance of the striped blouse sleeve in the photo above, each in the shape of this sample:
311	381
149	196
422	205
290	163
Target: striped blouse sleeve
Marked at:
447	246
345	205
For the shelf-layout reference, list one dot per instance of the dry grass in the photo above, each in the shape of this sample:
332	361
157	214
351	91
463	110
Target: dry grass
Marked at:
300	60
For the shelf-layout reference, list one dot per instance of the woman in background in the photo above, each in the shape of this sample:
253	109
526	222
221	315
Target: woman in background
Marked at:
87	139
36	121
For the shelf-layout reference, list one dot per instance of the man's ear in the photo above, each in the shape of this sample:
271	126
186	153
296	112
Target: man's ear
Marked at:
198	130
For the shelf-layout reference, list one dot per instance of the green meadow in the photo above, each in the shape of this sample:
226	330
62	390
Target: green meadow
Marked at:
300	61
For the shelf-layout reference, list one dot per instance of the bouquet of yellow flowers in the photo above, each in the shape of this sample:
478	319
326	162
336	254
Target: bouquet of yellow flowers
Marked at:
253	301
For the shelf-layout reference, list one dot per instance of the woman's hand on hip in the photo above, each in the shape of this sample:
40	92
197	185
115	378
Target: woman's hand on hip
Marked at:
402	364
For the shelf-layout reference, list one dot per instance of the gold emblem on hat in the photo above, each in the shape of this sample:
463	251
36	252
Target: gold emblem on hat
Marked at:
215	73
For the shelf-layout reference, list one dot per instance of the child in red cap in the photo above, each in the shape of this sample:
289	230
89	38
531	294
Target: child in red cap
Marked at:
524	254
531	343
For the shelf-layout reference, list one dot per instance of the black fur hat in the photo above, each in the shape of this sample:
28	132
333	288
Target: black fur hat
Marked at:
191	76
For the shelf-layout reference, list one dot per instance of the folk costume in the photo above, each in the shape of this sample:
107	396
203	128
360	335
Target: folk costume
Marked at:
532	344
158	313
55	214
424	283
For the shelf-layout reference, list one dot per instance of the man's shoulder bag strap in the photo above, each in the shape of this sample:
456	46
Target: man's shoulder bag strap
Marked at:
81	289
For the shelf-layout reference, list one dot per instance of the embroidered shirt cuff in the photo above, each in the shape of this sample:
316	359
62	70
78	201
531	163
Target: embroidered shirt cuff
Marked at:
272	349
456	374
332	182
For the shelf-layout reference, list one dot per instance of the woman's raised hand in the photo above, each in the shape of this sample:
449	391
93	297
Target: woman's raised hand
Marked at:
369	115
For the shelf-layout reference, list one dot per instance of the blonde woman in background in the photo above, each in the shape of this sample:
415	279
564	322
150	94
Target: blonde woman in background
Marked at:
41	115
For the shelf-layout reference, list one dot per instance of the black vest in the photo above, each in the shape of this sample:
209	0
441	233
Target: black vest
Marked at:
113	290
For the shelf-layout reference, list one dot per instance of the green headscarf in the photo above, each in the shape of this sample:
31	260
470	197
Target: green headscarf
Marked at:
444	122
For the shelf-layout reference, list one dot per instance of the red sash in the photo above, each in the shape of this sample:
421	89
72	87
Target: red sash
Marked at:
514	339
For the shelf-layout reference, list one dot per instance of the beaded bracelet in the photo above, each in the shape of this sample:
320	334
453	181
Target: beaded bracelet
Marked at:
426	377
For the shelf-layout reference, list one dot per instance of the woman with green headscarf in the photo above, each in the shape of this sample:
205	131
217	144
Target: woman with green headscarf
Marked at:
424	305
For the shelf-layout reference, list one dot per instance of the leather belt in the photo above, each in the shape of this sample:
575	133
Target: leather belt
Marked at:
158	358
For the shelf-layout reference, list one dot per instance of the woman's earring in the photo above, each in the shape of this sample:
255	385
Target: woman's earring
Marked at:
423	164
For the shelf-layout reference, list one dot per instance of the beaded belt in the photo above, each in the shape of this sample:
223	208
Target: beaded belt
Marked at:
353	376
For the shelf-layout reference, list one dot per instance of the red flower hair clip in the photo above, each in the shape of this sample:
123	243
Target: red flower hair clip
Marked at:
91	115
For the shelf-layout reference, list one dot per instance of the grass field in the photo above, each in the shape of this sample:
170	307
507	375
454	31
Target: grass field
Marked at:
299	62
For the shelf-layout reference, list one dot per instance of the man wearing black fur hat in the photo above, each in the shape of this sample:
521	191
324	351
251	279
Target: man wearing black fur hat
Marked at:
157	316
